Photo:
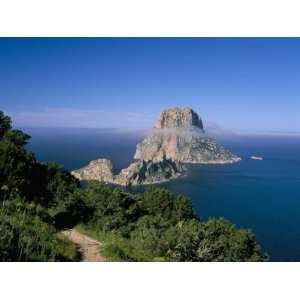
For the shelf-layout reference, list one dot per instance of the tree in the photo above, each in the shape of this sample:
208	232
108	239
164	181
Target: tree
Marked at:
223	242
161	202
15	162
111	209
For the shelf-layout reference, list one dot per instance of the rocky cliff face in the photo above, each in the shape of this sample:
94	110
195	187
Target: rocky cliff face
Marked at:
179	135
137	173
147	172
178	118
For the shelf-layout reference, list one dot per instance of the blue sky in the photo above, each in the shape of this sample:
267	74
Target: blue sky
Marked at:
244	85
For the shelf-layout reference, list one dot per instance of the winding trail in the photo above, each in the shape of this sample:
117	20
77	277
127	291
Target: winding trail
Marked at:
89	248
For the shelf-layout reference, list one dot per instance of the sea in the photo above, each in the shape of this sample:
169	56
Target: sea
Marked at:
263	196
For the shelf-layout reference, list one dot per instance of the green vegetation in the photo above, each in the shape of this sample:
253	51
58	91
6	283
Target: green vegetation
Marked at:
38	200
25	237
159	226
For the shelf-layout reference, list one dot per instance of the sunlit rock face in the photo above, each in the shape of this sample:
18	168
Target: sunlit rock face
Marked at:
178	118
99	169
178	134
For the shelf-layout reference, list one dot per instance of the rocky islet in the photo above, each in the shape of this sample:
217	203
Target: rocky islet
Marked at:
178	137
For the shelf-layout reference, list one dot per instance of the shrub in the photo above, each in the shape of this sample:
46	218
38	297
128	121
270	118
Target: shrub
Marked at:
24	237
159	226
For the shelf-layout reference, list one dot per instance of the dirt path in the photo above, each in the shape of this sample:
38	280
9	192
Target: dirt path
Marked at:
89	247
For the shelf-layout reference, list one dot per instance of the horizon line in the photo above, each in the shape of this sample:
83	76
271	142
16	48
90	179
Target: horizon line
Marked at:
231	133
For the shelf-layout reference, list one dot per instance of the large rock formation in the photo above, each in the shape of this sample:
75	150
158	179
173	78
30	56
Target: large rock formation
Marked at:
179	135
139	172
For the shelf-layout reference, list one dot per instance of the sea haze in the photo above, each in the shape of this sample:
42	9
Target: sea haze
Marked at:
261	195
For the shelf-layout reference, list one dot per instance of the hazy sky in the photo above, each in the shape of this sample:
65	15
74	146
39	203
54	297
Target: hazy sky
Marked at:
248	85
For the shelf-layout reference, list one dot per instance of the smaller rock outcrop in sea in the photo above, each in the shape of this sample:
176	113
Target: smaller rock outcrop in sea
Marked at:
137	173
99	169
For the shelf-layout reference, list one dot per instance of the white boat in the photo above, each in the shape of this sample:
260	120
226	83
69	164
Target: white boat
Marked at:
256	157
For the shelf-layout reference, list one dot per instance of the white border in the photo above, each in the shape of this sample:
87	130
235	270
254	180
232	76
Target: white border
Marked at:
149	18
149	281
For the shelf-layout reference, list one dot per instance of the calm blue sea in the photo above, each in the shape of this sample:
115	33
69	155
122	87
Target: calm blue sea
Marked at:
261	195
